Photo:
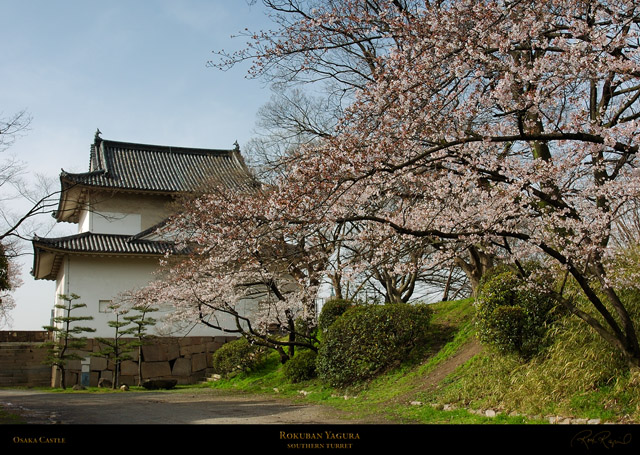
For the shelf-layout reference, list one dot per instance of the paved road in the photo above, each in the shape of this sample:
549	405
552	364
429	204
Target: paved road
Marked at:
230	420
198	406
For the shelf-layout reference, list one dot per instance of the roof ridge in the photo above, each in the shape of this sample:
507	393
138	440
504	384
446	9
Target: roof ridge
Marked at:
166	148
128	237
151	168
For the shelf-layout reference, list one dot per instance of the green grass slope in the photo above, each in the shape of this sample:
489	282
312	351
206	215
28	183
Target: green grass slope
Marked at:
454	380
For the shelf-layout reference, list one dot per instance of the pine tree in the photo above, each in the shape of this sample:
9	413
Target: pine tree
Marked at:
116	350
65	336
141	323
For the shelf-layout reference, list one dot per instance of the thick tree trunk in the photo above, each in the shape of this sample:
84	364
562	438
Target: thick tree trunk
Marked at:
478	264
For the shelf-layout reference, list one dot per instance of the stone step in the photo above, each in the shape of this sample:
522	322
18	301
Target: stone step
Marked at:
210	378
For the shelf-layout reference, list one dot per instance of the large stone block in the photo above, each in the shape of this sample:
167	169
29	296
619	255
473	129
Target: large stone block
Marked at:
213	346
129	367
24	336
162	351
182	380
98	363
181	367
192	349
188	341
72	378
134	354
227	339
128	380
82	353
155	369
89	347
96	346
198	362
74	365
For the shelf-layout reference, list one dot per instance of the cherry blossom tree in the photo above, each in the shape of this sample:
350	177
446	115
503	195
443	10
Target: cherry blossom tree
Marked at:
316	67
389	267
249	270
498	129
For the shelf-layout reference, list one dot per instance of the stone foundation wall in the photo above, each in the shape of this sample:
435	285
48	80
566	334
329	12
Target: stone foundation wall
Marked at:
21	336
21	365
21	359
184	359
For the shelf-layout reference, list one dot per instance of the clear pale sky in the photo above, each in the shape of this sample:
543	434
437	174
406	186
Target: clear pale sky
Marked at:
134	69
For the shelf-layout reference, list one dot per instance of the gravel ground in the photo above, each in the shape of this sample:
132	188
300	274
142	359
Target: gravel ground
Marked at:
198	406
214	420
195	419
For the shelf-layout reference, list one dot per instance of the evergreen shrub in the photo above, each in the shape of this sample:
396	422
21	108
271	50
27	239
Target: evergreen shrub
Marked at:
511	317
332	310
302	367
237	356
367	339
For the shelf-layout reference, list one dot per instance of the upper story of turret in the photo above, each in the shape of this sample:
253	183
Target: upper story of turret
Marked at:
129	186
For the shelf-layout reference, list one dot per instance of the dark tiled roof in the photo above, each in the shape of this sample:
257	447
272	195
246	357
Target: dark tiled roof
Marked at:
130	166
89	242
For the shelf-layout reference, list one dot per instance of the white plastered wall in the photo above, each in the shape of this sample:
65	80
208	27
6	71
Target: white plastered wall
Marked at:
123	213
100	278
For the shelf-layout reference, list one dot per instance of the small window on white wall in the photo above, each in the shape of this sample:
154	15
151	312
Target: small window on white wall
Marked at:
104	306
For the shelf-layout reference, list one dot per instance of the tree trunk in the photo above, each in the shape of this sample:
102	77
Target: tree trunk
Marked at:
140	364
479	264
447	286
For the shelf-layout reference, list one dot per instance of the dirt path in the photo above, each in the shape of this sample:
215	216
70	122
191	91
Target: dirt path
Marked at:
198	406
447	367
431	380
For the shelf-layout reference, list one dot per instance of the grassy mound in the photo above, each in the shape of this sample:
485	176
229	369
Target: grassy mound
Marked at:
576	375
